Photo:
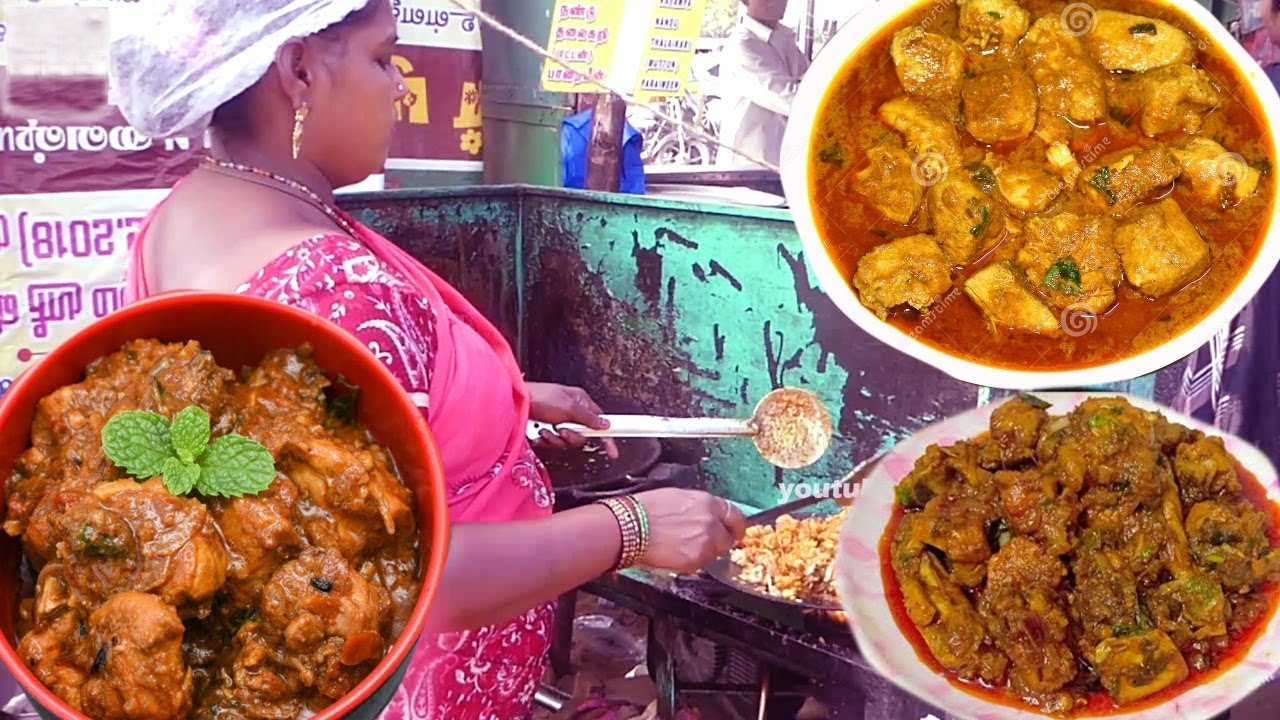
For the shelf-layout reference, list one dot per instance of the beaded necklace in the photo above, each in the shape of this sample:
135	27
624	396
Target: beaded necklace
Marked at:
307	193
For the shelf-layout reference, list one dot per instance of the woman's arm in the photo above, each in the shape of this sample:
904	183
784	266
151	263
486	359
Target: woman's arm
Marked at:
497	571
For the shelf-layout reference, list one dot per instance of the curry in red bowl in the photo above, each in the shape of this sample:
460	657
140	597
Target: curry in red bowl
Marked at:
220	507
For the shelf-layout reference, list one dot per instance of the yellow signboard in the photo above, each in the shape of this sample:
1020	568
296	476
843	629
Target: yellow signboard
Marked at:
589	36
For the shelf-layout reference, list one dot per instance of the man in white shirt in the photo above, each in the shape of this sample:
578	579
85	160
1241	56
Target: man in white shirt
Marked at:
760	72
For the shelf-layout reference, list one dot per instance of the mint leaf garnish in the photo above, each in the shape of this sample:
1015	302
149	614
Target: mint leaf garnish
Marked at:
138	442
235	466
180	476
148	445
190	434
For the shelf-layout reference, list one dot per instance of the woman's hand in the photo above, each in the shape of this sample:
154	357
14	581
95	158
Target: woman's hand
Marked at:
689	529
557	404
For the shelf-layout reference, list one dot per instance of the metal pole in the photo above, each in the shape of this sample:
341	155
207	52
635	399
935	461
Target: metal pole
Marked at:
604	157
521	122
810	29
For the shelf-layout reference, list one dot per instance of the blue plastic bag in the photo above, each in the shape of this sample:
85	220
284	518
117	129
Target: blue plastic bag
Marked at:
575	138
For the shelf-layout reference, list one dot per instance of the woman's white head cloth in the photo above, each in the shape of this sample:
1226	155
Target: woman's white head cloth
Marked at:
173	62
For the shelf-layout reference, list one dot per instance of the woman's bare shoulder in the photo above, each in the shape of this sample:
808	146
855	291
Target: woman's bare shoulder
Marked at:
208	236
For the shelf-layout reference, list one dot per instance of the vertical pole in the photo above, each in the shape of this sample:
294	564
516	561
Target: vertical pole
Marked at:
604	157
810	28
521	122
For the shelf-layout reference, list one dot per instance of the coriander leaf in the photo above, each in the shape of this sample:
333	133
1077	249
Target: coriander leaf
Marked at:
1263	166
832	154
981	227
138	442
995	15
180	476
1143	29
190	434
1101	181
94	544
1063	276
904	495
1099	421
984	176
235	466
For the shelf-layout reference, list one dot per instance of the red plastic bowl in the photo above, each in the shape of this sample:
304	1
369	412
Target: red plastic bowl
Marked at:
239	331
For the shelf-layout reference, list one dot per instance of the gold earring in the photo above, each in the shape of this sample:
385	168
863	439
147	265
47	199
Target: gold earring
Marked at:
299	117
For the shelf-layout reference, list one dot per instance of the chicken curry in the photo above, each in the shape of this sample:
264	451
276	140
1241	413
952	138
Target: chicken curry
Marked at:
1034	185
1081	562
150	605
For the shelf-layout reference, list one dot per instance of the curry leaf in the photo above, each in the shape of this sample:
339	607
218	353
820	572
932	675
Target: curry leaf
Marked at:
1143	29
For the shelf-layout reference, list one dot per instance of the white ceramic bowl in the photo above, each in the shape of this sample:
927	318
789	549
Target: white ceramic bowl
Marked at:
861	586
866	25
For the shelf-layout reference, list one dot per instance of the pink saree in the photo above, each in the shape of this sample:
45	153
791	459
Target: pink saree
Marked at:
463	376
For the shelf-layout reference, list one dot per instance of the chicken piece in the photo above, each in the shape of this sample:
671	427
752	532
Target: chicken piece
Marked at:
925	128
329	618
1216	175
947	620
908	271
1072	257
928	64
57	649
1229	542
1016	426
1138	666
992	24
1190	607
1122	41
1176	98
890	184
956	525
1160	249
1000	105
940	471
1064	162
1122	181
1003	294
130	536
138	671
1036	509
1028	187
355	503
1104	603
1105	444
1023	613
282	398
1205	471
1072	87
260	533
965	220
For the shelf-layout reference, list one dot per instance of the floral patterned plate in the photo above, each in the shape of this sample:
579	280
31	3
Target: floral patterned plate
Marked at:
861	586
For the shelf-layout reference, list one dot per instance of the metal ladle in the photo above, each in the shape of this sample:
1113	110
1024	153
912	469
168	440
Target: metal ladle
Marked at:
790	427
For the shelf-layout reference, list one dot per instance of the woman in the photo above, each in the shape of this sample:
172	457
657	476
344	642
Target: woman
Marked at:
300	96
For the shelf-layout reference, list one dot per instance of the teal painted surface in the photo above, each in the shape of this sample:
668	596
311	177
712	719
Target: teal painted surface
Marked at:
671	307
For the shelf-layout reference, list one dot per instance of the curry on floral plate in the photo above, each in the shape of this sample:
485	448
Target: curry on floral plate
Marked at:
1068	555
